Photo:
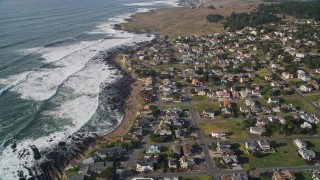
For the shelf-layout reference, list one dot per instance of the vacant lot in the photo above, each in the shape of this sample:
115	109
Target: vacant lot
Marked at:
286	155
301	103
314	97
200	98
233	128
200	107
183	107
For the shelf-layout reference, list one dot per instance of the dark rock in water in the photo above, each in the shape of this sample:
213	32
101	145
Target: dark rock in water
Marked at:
62	143
14	147
36	153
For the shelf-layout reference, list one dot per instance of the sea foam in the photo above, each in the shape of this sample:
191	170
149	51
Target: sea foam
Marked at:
74	67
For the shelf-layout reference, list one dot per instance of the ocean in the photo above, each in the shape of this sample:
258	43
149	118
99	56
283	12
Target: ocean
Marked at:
51	74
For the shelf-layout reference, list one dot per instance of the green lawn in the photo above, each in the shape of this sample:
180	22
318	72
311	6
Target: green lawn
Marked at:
263	72
314	97
183	107
241	104
301	103
233	128
302	175
200	98
197	178
200	107
257	80
263	102
314	144
286	155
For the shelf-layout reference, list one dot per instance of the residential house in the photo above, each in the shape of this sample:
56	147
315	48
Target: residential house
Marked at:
273	100
218	133
181	133
262	121
300	144
186	162
264	145
316	175
187	149
230	159
306	125
250	102
305	88
223	145
283	175
251	146
172	163
176	149
208	113
307	154
287	75
153	149
113	151
258	130
144	165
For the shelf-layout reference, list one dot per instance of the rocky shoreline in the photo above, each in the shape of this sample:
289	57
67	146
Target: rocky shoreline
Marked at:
79	144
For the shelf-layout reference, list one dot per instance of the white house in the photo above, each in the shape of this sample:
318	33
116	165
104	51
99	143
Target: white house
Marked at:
208	113
305	88
307	154
144	165
300	144
257	130
264	145
273	100
186	162
218	133
306	125
153	149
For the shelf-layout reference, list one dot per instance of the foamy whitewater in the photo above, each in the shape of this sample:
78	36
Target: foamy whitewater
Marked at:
52	91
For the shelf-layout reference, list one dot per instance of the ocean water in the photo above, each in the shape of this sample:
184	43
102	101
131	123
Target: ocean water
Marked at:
51	74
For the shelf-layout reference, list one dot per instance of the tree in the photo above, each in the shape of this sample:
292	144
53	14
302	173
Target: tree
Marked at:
257	153
214	18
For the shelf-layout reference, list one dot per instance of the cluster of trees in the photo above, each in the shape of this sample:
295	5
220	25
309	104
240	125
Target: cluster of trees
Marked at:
268	14
254	19
312	63
214	18
290	127
308	10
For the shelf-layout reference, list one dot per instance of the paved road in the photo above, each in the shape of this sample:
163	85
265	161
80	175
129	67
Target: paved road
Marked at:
201	139
298	92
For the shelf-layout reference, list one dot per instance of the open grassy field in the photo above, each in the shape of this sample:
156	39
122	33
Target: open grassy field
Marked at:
314	144
301	103
286	155
233	128
183	107
186	21
314	97
263	72
200	98
200	107
174	22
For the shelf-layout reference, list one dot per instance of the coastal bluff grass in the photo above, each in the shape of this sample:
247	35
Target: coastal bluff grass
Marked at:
182	21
